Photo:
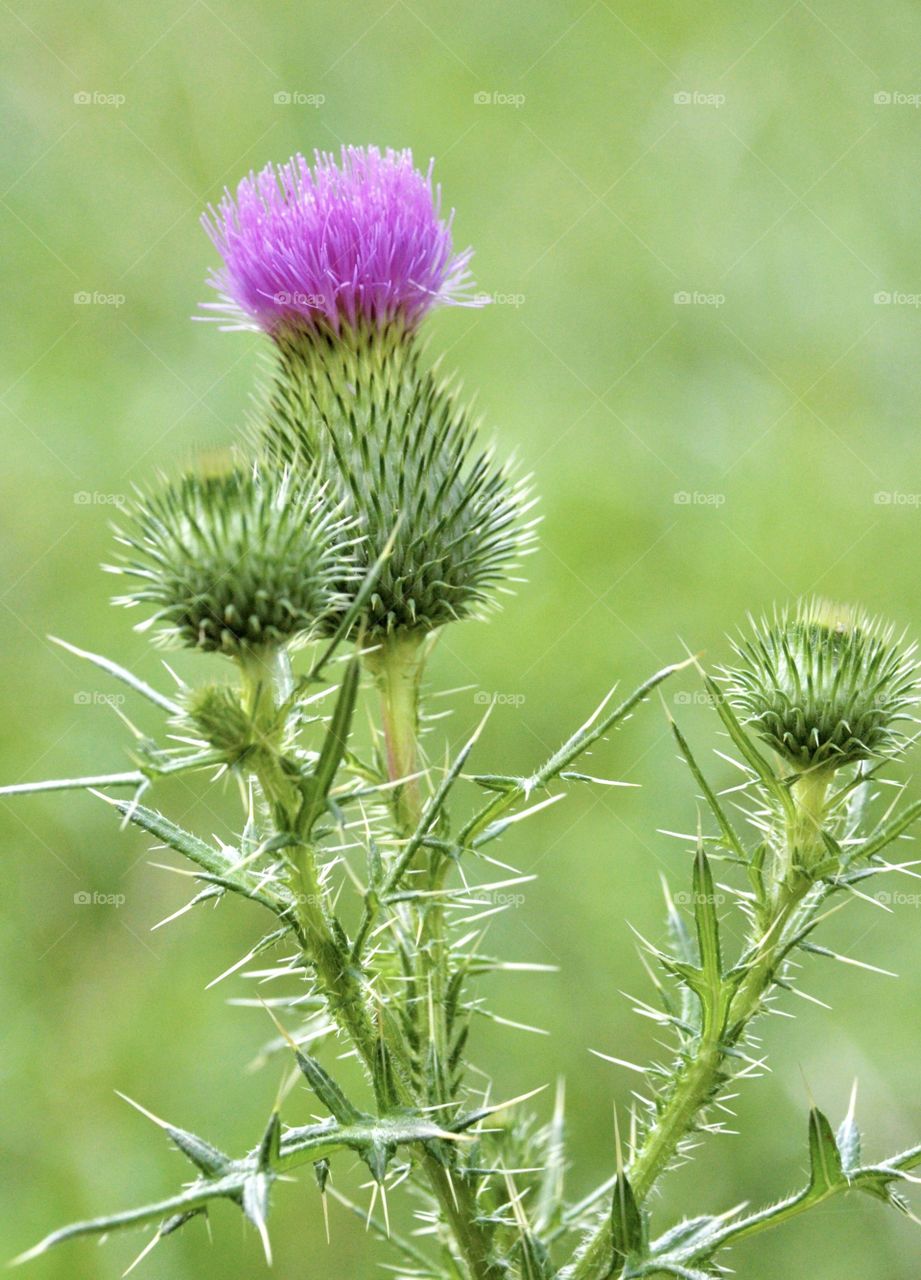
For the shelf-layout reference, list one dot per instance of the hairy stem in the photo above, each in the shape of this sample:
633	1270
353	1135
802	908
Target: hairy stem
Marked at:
397	667
266	684
700	1075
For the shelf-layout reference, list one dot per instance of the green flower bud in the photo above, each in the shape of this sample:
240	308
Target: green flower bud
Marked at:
824	685
236	562
398	450
217	715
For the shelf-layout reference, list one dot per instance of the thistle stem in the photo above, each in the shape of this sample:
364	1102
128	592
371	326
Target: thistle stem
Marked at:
699	1077
266	681
397	667
803	847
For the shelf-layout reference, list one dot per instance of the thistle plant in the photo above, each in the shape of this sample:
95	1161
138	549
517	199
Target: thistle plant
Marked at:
360	519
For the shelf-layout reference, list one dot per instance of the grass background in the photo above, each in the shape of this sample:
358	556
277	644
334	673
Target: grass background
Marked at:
625	154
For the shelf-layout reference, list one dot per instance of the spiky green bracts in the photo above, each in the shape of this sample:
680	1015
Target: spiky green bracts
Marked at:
399	452
236	563
824	685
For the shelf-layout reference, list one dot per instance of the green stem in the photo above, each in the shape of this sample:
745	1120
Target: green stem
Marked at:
791	1207
699	1077
804	848
397	666
266	684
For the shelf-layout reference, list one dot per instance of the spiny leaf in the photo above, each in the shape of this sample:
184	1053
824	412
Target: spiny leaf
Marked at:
327	1091
705	918
204	855
197	1196
628	1228
133	779
750	753
826	1172
891	831
125	676
207	1158
730	838
315	789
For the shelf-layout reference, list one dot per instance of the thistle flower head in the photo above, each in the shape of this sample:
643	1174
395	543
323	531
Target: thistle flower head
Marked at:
356	241
824	684
235	562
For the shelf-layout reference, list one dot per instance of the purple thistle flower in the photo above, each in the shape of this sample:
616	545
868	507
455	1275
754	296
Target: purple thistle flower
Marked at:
356	241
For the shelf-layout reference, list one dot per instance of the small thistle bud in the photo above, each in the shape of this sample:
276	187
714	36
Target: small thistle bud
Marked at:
237	562
216	714
824	685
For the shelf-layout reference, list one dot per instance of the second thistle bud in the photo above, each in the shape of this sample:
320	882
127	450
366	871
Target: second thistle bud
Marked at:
236	563
824	685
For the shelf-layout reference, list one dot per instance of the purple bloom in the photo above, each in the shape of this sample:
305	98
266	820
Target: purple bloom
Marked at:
358	240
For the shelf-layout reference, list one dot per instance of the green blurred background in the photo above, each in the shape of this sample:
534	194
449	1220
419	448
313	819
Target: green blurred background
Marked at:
696	459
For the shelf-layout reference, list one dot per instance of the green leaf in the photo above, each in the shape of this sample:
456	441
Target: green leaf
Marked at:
891	831
705	918
316	788
193	1198
213	861
357	606
826	1172
125	676
133	779
749	752
730	839
202	1154
327	1091
206	1158
550	1202
534	1256
628	1228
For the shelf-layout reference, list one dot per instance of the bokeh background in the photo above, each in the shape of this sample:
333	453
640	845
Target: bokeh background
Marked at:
700	226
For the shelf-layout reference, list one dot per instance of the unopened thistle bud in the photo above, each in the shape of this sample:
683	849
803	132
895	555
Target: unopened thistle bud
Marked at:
236	563
824	685
400	453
